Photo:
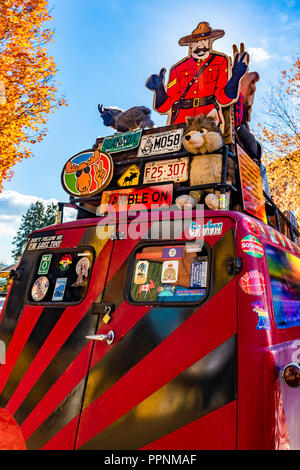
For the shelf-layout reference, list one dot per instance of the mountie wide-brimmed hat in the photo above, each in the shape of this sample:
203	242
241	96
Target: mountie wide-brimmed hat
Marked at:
203	31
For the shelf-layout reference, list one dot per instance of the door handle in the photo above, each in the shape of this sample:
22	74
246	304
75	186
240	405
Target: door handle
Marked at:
109	338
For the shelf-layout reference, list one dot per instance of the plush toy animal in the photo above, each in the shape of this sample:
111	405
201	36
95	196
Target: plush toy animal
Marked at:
202	136
123	121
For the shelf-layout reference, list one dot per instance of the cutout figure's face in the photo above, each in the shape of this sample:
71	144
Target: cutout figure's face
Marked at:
201	49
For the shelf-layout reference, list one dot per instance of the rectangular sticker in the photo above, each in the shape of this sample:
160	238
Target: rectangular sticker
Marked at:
198	273
167	170
59	289
182	292
42	243
135	198
172	252
45	264
149	255
169	273
162	142
141	272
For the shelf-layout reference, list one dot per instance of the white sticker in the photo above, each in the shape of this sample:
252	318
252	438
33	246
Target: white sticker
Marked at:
169	273
141	272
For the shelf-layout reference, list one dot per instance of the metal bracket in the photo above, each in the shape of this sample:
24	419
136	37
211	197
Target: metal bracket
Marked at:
103	308
234	265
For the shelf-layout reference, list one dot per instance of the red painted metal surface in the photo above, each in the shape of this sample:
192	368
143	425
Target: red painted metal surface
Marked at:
11	437
201	434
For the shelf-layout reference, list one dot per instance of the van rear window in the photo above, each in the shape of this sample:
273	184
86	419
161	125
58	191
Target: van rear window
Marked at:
61	277
169	273
284	271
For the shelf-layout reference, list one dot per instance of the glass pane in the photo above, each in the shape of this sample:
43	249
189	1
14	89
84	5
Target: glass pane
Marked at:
61	277
169	273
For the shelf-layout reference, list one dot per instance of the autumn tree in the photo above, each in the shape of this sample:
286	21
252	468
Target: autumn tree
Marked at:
28	90
37	216
280	134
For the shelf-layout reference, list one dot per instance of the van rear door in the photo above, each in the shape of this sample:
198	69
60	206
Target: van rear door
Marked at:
47	352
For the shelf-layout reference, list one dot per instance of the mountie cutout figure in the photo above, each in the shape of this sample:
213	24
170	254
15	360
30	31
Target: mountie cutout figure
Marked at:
200	82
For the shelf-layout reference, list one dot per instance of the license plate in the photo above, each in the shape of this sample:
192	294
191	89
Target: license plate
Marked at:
162	142
122	142
167	170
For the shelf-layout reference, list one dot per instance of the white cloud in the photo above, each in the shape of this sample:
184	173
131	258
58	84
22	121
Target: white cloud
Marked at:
259	54
15	203
12	206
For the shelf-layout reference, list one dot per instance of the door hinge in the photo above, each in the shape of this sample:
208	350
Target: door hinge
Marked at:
234	265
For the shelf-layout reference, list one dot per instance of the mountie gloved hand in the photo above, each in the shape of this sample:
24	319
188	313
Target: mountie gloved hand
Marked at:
156	83
240	65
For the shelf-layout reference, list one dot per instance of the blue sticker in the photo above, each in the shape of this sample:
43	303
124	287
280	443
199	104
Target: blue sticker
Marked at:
198	274
183	292
59	288
172	252
180	294
165	291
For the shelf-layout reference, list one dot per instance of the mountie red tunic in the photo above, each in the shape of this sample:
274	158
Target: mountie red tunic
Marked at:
211	82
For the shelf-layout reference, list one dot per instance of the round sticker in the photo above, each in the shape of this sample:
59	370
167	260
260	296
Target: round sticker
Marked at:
172	252
252	246
87	173
65	262
251	226
82	269
40	288
253	283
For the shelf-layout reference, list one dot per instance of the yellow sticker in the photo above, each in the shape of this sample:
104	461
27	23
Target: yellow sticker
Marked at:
172	83
130	177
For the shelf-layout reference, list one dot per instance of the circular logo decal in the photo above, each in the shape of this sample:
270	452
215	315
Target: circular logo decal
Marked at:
251	226
40	288
172	252
252	246
87	173
253	283
65	262
82	267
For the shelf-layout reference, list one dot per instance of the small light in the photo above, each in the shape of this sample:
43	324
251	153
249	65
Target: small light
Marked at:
291	375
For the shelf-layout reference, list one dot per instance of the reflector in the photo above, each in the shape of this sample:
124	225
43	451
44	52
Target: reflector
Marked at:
291	375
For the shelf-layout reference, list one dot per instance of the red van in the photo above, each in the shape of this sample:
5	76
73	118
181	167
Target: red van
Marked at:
116	342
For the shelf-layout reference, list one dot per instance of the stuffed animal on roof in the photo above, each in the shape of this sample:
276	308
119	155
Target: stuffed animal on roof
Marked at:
203	139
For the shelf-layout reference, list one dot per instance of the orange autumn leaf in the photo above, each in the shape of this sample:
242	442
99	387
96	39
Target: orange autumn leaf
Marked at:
28	91
280	135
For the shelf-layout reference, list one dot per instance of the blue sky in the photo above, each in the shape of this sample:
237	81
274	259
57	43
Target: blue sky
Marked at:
106	49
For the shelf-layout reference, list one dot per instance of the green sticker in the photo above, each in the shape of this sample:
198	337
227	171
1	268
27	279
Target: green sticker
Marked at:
45	264
122	142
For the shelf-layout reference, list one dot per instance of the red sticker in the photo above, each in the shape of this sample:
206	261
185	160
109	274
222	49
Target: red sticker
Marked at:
251	226
253	283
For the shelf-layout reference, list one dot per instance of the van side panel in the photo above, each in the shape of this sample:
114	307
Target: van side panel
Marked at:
262	420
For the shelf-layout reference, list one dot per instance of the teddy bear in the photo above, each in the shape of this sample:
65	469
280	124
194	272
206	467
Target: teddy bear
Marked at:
202	136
